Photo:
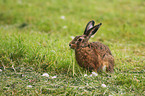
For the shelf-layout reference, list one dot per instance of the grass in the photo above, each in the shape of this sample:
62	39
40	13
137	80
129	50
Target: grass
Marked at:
34	40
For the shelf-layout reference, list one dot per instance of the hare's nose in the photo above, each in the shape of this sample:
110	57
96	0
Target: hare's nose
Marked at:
69	45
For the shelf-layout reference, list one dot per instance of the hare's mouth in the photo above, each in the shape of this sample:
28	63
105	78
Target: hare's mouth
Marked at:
72	46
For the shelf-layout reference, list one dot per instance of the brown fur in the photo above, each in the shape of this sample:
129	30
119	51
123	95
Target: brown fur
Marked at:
92	56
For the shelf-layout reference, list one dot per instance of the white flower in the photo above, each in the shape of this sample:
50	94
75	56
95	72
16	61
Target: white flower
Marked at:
23	75
72	37
45	74
20	2
30	86
64	27
85	75
102	34
62	17
53	77
81	87
103	85
1	70
91	75
52	51
94	74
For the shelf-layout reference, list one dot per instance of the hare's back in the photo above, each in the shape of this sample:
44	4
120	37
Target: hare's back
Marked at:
100	48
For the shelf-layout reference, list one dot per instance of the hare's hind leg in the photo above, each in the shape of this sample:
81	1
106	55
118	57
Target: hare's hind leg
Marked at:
111	64
107	66
111	68
108	63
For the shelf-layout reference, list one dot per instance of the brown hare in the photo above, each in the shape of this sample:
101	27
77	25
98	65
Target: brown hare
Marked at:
93	56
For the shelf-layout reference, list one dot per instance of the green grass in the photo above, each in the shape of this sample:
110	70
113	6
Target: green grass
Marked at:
33	41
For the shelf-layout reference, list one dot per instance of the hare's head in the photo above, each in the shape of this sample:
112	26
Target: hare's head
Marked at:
82	41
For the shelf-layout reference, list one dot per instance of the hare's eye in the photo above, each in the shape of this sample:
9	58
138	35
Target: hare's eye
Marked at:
80	39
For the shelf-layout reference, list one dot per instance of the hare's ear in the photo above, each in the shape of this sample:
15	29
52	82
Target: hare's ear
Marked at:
93	30
89	26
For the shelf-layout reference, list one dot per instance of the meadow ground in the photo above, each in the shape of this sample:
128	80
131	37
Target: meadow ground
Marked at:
34	38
